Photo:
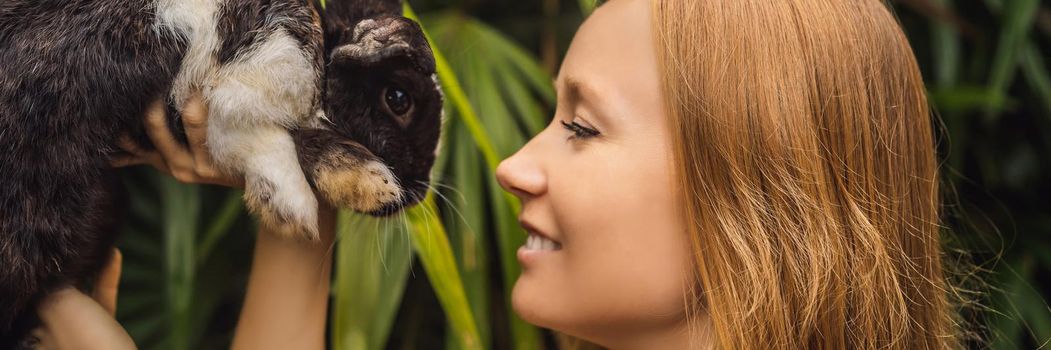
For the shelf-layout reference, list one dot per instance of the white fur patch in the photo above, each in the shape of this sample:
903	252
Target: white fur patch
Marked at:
195	20
274	82
274	79
252	102
275	187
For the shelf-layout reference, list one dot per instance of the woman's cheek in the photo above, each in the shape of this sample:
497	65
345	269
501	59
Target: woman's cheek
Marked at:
622	262
601	289
624	265
634	253
630	280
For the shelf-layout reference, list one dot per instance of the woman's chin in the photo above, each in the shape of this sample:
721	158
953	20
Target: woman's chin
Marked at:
530	303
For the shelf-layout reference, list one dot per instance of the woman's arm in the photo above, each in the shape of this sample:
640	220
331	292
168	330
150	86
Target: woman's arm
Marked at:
286	305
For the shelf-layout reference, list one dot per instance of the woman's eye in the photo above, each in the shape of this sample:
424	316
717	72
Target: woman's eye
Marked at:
579	131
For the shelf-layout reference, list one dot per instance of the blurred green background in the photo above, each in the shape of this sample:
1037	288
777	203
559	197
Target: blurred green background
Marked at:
440	275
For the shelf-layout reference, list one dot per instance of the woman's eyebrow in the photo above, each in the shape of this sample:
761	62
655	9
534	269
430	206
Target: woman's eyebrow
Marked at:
579	89
576	91
581	92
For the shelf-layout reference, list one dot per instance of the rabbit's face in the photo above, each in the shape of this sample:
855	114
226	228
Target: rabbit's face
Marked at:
384	110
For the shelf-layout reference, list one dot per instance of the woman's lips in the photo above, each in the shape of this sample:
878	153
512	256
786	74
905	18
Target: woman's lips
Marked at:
536	244
538	239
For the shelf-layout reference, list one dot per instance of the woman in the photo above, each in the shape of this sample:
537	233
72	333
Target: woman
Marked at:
733	174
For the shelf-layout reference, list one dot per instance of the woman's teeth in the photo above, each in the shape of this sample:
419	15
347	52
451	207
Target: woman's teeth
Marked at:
538	242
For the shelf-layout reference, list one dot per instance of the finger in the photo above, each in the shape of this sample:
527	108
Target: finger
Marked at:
158	163
128	145
123	161
138	155
174	154
195	122
106	287
228	181
151	158
237	181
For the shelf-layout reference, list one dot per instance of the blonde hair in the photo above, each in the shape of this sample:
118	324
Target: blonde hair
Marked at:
806	156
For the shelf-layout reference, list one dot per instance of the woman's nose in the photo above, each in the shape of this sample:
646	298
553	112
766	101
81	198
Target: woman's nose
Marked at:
522	174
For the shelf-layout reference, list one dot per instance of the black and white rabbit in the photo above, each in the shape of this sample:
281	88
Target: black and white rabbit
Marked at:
346	101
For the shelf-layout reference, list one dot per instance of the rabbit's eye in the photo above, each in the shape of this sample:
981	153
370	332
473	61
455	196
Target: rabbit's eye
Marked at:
397	102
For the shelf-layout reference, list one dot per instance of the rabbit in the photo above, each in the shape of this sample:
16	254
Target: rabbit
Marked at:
344	101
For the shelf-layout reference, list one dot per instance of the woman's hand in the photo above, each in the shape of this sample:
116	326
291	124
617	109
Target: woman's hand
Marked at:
188	164
72	320
286	302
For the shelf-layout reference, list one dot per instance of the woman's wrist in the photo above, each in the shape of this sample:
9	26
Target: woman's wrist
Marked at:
286	305
326	229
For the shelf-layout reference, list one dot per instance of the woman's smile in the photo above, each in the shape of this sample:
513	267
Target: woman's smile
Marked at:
537	244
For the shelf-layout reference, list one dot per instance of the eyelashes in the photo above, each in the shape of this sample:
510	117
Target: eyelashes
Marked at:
579	131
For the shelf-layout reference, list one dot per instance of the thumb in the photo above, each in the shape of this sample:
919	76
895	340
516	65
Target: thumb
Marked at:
106	286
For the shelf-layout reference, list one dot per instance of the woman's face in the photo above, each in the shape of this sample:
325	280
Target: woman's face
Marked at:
602	191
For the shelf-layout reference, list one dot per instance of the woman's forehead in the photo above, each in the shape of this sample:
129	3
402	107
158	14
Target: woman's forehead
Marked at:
613	35
612	56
